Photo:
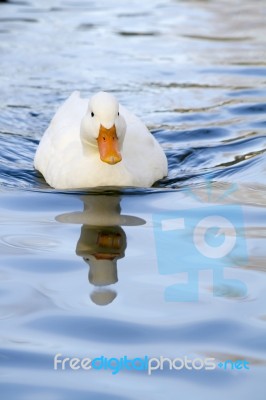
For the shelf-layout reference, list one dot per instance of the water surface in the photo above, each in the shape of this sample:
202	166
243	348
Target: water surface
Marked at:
103	272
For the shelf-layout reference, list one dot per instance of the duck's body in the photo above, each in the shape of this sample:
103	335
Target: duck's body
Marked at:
68	155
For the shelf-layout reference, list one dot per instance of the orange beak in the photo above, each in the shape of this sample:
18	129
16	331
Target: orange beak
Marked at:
108	145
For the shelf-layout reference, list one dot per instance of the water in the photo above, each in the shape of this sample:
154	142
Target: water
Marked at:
91	273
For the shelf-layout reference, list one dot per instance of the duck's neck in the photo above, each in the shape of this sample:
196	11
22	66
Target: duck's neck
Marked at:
89	149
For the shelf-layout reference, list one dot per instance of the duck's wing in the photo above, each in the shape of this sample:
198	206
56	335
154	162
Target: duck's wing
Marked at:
63	129
143	154
66	121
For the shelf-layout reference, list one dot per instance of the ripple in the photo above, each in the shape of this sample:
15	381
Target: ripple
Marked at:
256	71
18	391
133	15
202	134
132	33
195	73
86	27
219	38
248	109
21	300
30	242
46	266
106	330
15	19
247	92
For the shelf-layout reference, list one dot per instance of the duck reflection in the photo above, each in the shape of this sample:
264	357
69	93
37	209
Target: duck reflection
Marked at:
100	248
102	241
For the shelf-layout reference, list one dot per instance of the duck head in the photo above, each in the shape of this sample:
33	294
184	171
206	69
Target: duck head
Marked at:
104	128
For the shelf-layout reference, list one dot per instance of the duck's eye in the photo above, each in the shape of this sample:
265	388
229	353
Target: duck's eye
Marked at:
92	114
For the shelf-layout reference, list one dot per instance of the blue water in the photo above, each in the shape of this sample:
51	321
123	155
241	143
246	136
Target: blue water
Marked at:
135	272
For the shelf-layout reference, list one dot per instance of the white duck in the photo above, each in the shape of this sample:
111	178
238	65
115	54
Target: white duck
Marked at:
98	143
